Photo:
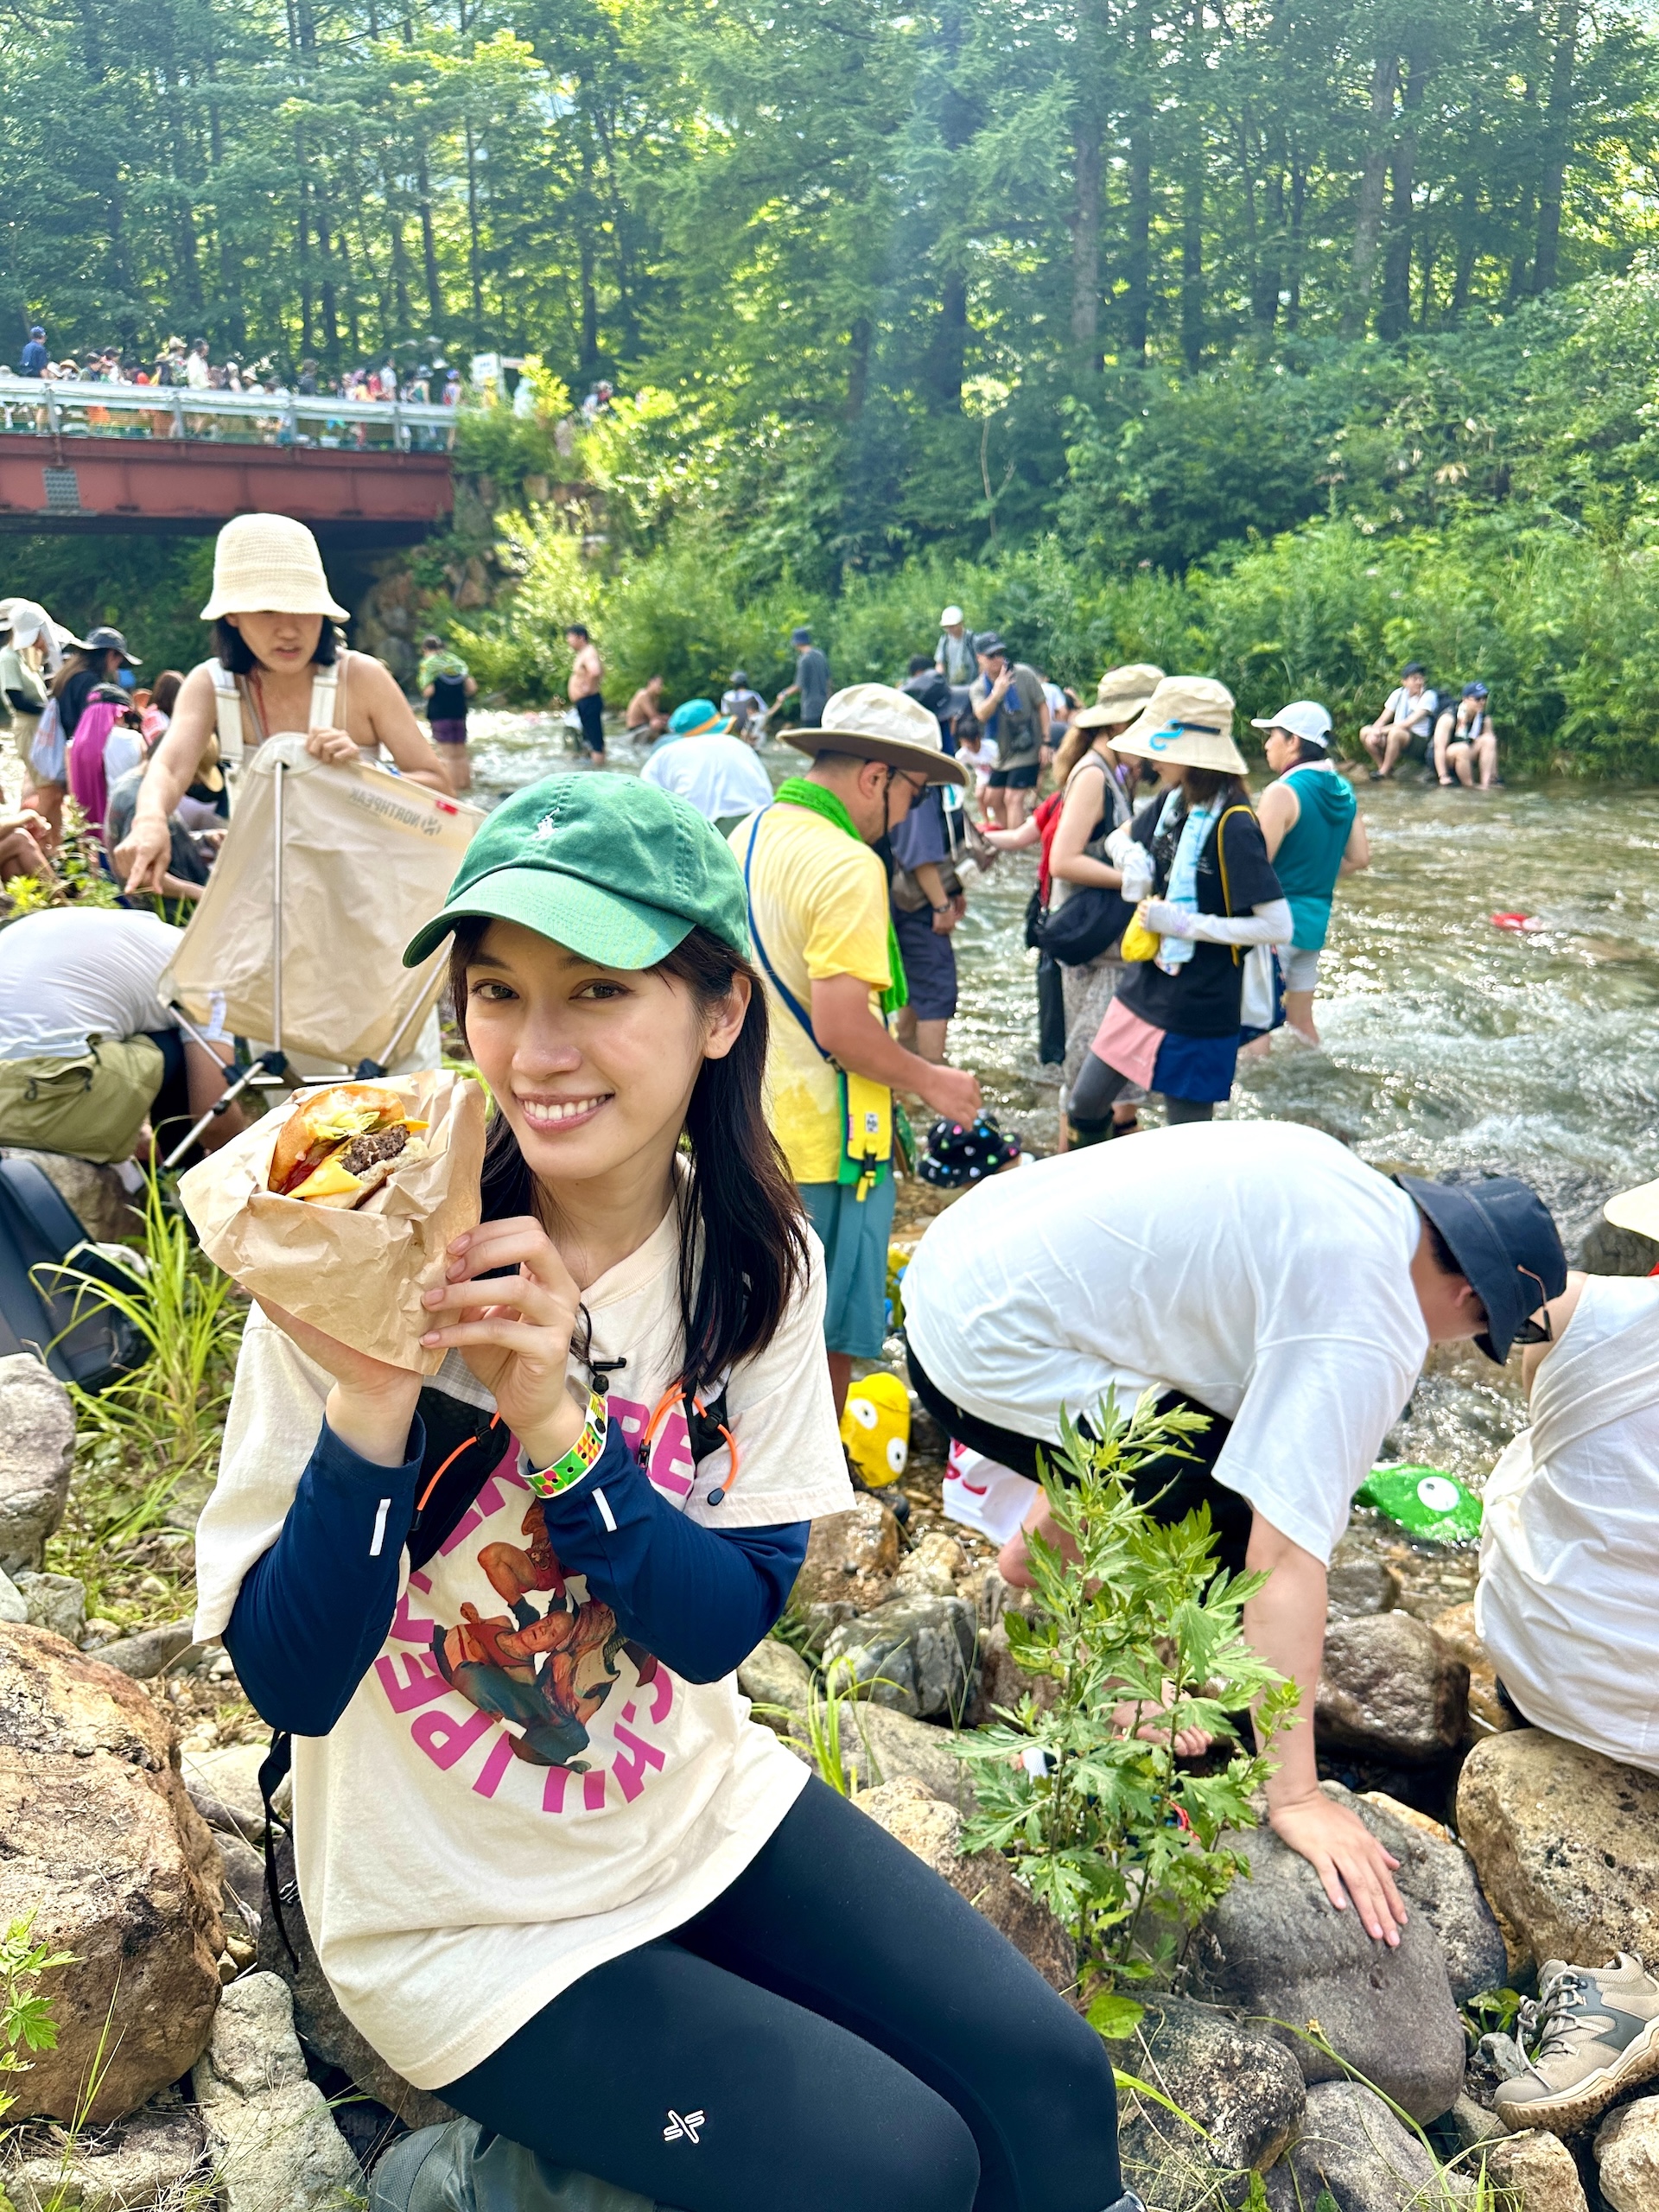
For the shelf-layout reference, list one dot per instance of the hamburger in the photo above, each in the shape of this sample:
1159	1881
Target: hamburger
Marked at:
338	1147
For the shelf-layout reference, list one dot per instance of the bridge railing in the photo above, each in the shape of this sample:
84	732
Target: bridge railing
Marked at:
69	409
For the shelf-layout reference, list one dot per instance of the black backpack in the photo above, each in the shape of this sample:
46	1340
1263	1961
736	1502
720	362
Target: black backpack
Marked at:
40	1312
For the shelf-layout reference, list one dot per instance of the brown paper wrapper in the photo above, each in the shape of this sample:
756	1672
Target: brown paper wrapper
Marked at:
358	1276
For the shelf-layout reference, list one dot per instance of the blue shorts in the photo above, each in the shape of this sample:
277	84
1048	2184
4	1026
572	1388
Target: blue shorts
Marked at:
930	964
1195	1067
854	1240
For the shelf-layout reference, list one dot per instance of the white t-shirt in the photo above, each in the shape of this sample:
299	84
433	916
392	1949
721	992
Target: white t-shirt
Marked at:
719	775
1257	1266
1569	1548
1422	719
77	972
453	1886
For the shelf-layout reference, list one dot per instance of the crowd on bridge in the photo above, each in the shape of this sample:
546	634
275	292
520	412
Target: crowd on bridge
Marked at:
181	367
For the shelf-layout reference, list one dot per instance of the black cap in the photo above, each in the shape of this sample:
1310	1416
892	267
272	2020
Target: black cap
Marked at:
105	640
800	636
1500	1235
988	643
1474	690
1413	667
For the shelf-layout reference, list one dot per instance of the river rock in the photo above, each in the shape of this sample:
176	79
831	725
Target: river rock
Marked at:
150	1653
148	2160
1540	2172
273	2141
923	1824
1358	1587
1436	1878
243	1893
104	1846
1455	1629
776	1675
1608	1251
878	1746
851	1559
1274	1949
227	1779
55	1602
1387	1686
37	1449
316	2013
931	1567
13	1606
1627	2156
1567	1846
1238	2082
1354	2147
916	1654
98	1197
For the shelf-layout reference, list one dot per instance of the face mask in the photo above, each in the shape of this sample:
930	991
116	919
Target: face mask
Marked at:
125	678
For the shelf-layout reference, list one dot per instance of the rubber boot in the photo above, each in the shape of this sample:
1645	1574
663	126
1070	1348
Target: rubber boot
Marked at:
1084	1133
461	2167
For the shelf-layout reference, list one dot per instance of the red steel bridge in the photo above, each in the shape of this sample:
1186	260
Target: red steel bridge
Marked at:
86	457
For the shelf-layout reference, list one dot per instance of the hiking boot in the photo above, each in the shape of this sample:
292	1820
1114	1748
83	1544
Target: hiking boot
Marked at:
461	2167
1599	2037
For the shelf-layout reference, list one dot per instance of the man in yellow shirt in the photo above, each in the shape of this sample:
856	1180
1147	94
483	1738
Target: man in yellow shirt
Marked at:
819	918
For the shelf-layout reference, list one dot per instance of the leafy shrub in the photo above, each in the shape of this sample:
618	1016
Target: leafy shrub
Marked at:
1103	1823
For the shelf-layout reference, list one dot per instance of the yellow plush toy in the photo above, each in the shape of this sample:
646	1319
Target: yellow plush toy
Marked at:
875	1428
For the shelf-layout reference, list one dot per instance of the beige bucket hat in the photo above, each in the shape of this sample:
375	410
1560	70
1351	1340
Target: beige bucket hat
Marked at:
878	723
1189	723
1638	1209
268	564
1122	694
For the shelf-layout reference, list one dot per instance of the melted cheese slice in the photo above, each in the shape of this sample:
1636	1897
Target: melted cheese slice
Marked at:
331	1180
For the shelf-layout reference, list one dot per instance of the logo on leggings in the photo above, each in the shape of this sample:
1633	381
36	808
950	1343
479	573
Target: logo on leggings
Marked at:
679	2124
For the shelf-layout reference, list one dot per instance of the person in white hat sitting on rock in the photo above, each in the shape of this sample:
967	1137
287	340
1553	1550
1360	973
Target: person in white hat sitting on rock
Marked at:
274	637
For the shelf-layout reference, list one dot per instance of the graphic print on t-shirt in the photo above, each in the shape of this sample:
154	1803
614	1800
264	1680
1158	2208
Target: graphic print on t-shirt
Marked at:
542	1671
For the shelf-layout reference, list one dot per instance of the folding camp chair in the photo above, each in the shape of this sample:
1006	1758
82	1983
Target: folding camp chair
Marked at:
325	872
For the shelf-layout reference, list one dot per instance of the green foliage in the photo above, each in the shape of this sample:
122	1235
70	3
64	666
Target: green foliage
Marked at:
823	1729
1138	1631
26	2022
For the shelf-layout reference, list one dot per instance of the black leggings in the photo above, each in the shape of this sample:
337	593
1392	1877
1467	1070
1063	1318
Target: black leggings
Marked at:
1171	1486
854	2037
1096	1092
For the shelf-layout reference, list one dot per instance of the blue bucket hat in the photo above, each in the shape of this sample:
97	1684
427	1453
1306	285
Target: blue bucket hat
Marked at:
696	718
1502	1237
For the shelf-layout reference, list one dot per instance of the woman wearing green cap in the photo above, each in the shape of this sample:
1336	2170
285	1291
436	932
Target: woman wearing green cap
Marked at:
552	1870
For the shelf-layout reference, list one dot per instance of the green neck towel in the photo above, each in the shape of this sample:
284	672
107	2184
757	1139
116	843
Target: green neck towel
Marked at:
795	790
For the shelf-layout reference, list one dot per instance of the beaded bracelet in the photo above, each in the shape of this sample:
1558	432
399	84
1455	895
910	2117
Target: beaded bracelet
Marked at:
548	1481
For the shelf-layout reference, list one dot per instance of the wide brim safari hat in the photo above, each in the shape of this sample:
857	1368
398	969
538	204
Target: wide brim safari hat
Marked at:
1189	723
1121	695
268	564
1638	1209
874	722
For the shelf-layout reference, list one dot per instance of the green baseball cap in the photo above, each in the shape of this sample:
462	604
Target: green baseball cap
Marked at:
614	868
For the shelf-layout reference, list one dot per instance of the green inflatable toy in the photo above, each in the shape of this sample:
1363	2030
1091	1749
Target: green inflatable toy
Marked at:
1425	1501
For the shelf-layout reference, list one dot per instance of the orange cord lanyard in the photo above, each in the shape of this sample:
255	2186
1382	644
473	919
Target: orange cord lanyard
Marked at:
665	1404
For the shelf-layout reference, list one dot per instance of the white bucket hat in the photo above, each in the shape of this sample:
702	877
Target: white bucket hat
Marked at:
951	617
1189	723
268	564
1304	718
1638	1209
1122	694
875	722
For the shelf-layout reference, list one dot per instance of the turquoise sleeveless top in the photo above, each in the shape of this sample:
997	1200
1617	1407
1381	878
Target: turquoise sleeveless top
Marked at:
1308	861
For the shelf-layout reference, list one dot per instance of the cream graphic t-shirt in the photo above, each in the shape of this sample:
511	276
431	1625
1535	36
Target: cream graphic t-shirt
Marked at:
516	1793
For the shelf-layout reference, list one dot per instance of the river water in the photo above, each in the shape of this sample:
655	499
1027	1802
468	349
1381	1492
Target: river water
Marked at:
1448	1042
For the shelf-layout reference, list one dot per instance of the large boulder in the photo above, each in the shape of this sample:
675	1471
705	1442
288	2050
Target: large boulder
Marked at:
102	1845
1354	2148
1275	1950
1239	2085
932	1829
37	1448
1388	1687
1627	2156
851	1560
273	2141
1437	1878
150	2160
1567	1846
915	1654
1539	2172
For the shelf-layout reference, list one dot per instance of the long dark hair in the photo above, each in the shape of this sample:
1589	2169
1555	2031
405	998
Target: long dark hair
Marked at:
1203	785
742	1232
238	656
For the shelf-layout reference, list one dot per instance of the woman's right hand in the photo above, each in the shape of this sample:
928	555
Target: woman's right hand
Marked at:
372	1403
142	857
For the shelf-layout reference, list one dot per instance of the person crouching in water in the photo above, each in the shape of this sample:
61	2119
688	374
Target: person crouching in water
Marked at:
274	638
1173	1026
500	1609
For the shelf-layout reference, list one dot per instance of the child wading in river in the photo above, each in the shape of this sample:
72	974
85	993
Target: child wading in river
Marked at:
553	1871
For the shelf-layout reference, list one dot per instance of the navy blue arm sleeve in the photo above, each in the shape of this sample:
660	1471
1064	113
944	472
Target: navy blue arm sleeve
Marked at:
315	1609
698	1598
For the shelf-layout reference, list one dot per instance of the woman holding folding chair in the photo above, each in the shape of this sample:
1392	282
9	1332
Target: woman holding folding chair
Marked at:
278	665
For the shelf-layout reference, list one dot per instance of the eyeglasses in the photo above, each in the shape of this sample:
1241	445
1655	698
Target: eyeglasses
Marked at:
1531	1332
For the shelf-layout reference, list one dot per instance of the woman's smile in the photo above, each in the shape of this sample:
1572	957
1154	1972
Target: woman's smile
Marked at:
561	1113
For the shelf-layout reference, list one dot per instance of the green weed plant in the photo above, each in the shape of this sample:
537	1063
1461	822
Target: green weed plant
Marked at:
1140	1631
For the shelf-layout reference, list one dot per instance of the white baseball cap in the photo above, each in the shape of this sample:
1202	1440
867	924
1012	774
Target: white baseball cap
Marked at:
951	617
1302	718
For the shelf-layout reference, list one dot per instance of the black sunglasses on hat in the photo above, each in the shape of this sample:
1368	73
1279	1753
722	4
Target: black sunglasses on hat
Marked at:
1500	1235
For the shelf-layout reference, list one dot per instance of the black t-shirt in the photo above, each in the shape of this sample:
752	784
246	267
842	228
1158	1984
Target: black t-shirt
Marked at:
1202	998
449	699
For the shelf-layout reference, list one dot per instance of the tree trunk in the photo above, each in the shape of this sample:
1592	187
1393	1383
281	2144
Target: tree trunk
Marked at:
473	269
1468	250
1297	211
1558	126
1137	259
1192	262
1368	218
949	344
429	249
1395	320
1085	235
858	368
